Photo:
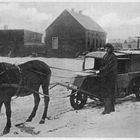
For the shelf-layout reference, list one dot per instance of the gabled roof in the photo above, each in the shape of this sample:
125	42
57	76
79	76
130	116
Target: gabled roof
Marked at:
86	21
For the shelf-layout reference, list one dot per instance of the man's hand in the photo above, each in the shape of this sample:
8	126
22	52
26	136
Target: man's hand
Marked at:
97	72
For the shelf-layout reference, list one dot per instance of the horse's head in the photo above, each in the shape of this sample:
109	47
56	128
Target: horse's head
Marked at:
4	67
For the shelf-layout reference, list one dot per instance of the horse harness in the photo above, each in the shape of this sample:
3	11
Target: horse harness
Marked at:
9	84
19	85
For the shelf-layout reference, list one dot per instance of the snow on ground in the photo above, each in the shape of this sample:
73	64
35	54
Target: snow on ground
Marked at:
64	120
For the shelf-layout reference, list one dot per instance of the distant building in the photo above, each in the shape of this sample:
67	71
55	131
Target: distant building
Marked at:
130	43
15	42
117	46
73	33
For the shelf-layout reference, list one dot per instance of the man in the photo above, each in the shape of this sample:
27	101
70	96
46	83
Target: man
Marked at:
108	74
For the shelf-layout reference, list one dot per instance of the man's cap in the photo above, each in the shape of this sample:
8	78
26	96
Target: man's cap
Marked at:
109	45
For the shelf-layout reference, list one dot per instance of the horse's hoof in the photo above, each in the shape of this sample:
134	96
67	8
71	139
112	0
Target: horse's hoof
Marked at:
29	120
42	121
6	130
20	125
49	118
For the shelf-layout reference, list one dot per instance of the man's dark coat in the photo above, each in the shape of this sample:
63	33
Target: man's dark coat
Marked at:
108	73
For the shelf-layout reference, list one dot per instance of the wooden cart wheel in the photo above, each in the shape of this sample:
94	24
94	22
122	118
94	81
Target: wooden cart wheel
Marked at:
78	100
134	87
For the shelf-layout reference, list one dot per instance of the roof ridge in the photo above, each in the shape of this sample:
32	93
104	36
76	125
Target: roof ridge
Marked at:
86	21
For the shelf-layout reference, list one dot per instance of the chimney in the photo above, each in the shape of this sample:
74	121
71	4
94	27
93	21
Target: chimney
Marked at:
80	12
138	43
5	27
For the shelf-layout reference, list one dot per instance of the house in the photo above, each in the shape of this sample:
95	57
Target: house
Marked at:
131	43
14	42
73	33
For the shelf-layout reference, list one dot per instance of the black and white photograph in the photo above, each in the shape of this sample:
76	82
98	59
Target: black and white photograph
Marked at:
70	69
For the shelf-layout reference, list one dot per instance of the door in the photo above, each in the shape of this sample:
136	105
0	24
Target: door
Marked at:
55	43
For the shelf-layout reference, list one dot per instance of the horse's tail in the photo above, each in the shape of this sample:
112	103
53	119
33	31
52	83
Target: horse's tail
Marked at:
47	77
48	73
0	108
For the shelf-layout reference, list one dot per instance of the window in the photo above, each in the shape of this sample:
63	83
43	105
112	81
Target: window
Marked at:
96	43
54	42
100	43
92	63
88	43
89	63
93	43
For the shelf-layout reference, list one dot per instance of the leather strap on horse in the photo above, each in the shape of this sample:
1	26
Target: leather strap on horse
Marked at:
4	67
63	69
21	87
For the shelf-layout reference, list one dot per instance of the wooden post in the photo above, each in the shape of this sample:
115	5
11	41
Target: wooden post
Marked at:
138	37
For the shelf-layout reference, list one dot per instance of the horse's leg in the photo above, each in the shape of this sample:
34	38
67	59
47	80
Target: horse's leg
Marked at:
46	102
7	104
36	103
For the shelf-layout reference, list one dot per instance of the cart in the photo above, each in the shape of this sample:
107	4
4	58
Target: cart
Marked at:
86	84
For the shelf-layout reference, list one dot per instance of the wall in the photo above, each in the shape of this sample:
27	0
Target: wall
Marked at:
10	36
33	50
95	40
10	42
30	36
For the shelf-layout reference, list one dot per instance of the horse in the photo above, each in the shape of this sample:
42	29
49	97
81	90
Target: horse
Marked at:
23	80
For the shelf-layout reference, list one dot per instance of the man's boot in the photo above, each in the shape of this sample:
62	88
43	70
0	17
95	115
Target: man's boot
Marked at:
106	109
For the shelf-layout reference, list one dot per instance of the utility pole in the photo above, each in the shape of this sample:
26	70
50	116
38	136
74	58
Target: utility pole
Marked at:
138	41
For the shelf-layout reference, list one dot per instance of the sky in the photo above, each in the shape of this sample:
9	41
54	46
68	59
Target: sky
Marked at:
119	19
